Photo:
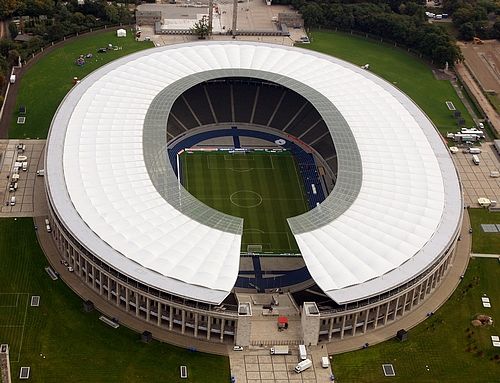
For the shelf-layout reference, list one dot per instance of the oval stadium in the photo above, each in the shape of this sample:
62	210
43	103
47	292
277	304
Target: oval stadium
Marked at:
210	188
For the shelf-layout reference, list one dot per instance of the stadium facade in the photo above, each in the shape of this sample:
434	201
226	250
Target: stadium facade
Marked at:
377	246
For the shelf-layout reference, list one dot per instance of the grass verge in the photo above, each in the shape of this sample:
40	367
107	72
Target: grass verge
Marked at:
45	84
444	348
484	243
61	343
403	70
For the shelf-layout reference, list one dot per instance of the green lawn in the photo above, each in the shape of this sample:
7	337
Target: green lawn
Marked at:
451	348
395	65
75	346
45	84
484	243
263	188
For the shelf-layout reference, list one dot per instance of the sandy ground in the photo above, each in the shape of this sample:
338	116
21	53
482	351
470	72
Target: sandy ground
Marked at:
484	61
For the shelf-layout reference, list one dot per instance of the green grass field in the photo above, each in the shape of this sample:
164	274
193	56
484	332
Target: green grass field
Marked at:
395	65
44	85
484	243
263	188
76	345
447	343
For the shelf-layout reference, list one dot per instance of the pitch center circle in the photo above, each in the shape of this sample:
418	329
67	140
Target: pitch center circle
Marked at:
245	198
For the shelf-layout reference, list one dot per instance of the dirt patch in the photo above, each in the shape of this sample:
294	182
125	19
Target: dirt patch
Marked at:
484	62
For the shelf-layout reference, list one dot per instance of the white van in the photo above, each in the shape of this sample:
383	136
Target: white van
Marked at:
48	228
25	166
40	172
325	363
475	159
474	151
13	200
302	366
302	351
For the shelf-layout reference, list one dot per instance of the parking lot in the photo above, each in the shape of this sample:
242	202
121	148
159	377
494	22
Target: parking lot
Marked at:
476	179
25	198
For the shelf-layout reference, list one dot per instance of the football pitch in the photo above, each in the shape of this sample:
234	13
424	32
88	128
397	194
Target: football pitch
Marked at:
263	188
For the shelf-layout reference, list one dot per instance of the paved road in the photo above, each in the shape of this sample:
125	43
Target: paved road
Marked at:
488	109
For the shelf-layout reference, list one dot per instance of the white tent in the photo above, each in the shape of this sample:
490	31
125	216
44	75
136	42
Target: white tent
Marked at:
121	33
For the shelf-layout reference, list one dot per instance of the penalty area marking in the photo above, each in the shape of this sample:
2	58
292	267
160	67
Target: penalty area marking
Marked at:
23	325
240	199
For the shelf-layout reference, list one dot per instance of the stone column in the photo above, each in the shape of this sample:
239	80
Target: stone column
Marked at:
342	328
310	321
367	316
375	324
222	323
235	17
117	291
209	326
171	318
330	330
210	14
148	309
136	304
127	299
100	282
110	284
387	312
354	322
183	321
243	326
159	314
396	309
196	324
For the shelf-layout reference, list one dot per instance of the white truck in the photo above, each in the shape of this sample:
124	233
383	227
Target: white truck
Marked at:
325	362
302	351
280	350
475	151
302	366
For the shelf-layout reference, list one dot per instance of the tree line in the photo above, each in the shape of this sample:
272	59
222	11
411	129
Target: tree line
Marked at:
475	18
403	22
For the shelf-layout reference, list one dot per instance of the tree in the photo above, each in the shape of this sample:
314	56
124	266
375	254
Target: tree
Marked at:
313	15
496	30
467	31
201	28
8	7
463	15
13	57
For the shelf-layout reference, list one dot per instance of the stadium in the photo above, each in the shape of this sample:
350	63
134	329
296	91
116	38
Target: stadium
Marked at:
198	186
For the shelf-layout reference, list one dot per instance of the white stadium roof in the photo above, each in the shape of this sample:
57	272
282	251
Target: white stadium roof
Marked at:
405	214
